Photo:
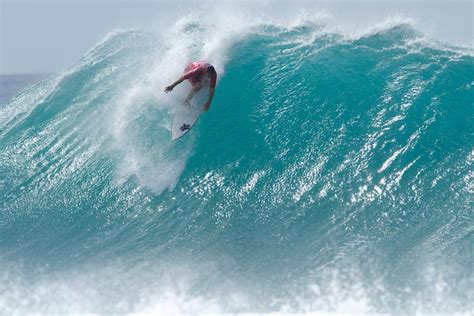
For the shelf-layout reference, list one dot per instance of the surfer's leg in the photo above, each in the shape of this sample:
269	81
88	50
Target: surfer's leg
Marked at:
196	87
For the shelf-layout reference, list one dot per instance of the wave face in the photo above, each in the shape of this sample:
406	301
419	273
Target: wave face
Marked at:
332	174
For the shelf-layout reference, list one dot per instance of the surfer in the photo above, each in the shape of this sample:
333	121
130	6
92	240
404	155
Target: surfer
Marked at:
198	73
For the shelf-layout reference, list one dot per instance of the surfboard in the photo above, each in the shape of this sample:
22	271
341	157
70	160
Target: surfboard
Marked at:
186	115
183	120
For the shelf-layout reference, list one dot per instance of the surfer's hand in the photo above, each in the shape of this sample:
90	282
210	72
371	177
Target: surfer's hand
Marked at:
206	106
168	89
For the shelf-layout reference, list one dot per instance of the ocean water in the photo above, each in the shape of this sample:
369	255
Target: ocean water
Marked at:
332	174
11	84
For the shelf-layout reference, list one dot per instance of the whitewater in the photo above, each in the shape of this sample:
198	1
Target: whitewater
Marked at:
332	174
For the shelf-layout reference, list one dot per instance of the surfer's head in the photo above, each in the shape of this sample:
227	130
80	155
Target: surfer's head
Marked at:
210	70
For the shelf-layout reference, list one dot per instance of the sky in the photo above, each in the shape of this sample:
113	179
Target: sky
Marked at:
47	36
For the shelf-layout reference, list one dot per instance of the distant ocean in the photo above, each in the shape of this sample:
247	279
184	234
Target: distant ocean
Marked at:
332	174
11	84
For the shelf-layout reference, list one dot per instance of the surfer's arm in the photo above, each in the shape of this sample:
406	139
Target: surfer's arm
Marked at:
209	100
174	84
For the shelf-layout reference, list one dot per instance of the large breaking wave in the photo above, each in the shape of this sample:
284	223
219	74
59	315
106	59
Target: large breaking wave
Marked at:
332	173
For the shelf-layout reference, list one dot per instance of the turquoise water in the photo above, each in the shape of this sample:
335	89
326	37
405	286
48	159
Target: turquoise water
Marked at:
331	174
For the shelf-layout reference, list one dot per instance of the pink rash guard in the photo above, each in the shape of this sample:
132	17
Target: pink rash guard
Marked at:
195	72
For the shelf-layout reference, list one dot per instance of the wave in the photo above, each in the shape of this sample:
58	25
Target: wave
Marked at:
332	173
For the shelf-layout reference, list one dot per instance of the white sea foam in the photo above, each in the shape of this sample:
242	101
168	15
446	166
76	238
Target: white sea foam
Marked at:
202	288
